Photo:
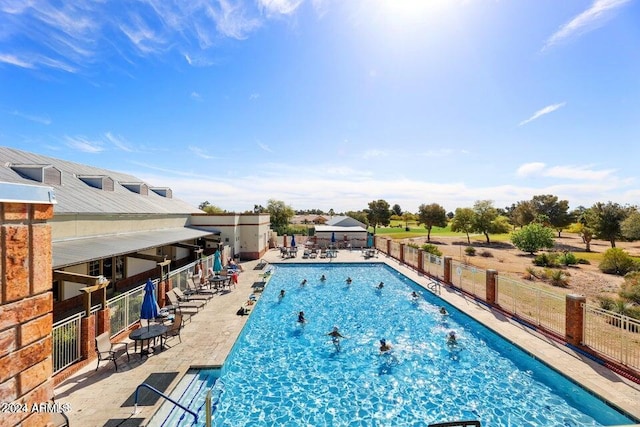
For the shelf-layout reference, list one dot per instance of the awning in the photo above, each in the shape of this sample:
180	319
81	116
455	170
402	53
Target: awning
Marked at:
77	251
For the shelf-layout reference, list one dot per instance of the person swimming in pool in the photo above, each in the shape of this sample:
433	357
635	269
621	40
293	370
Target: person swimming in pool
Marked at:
304	282
348	280
384	346
452	340
301	318
380	285
444	311
323	278
414	295
335	337
281	294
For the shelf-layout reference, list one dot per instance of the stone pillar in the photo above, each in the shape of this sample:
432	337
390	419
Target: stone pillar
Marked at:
492	287
104	320
162	293
388	247
447	270
574	319
402	253
420	261
88	337
26	303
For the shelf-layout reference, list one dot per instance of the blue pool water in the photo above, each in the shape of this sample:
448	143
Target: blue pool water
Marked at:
283	373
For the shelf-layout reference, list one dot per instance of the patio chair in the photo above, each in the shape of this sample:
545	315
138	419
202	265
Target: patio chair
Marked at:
174	329
192	298
192	289
107	350
183	307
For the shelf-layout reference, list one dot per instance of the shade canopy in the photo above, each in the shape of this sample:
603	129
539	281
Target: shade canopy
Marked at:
149	309
217	264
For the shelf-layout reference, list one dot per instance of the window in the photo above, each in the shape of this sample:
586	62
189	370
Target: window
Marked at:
94	268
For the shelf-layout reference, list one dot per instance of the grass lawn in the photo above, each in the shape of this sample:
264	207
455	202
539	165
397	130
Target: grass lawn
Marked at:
396	230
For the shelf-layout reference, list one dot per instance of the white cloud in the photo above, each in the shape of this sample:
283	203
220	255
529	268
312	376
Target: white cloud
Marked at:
14	60
200	152
370	154
81	143
118	141
254	96
265	147
586	21
546	110
279	7
195	95
530	169
43	120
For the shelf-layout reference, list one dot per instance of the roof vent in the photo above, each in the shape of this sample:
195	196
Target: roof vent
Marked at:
136	187
162	191
46	174
100	182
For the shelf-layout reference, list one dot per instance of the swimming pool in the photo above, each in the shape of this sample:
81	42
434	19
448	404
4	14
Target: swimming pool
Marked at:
283	373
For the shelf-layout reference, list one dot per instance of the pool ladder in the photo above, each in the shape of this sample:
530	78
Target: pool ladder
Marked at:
155	390
434	286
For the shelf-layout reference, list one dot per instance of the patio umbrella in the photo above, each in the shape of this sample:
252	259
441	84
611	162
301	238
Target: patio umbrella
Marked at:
149	309
293	241
333	237
217	264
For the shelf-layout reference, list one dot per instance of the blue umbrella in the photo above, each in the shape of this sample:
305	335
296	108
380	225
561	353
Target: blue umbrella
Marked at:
149	309
333	237
293	241
217	264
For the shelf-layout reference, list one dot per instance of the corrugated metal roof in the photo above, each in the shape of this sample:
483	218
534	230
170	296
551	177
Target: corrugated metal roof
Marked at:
75	196
76	251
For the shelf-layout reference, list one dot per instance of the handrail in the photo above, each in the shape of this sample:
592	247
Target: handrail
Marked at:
145	385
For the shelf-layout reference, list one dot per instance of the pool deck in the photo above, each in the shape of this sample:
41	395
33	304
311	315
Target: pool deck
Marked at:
105	397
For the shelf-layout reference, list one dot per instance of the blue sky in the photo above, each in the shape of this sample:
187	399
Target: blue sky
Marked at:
333	103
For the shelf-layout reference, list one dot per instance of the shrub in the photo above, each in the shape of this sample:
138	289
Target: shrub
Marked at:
631	287
432	249
558	278
470	250
546	260
486	254
584	261
617	261
533	237
568	258
531	273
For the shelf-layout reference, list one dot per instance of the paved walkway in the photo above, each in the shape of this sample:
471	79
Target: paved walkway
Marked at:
105	397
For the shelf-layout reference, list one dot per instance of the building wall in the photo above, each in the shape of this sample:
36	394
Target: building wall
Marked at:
245	234
26	316
85	225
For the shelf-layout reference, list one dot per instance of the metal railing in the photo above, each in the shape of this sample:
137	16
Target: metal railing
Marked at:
612	334
66	342
124	310
469	278
433	265
411	256
158	392
536	306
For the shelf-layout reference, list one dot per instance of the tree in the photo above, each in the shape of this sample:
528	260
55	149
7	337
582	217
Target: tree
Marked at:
406	217
556	211
523	213
331	212
259	209
378	213
209	208
581	227
396	210
487	221
432	215
606	220
280	213
533	237
463	222
630	227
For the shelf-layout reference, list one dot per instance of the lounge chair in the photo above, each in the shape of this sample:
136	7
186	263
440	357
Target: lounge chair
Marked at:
183	307
192	289
192	298
174	329
323	253
110	351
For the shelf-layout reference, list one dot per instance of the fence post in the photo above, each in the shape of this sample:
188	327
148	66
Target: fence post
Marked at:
402	253
574	319
447	270
87	336
492	287
388	246
420	261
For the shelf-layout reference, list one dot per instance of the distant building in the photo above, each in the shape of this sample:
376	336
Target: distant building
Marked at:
309	219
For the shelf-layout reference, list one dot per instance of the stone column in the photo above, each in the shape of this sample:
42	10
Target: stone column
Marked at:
420	261
388	246
104	321
574	319
88	337
402	253
492	287
26	303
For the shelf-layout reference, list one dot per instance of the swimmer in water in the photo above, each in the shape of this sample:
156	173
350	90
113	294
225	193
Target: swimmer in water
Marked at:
335	337
301	318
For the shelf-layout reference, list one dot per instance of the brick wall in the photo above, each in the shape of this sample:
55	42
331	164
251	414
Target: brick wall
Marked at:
26	304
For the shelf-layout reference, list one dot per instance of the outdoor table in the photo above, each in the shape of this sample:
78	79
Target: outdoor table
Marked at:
147	333
217	281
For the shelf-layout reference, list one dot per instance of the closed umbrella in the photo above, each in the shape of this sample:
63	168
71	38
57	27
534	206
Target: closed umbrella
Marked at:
333	237
149	309
293	241
217	264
